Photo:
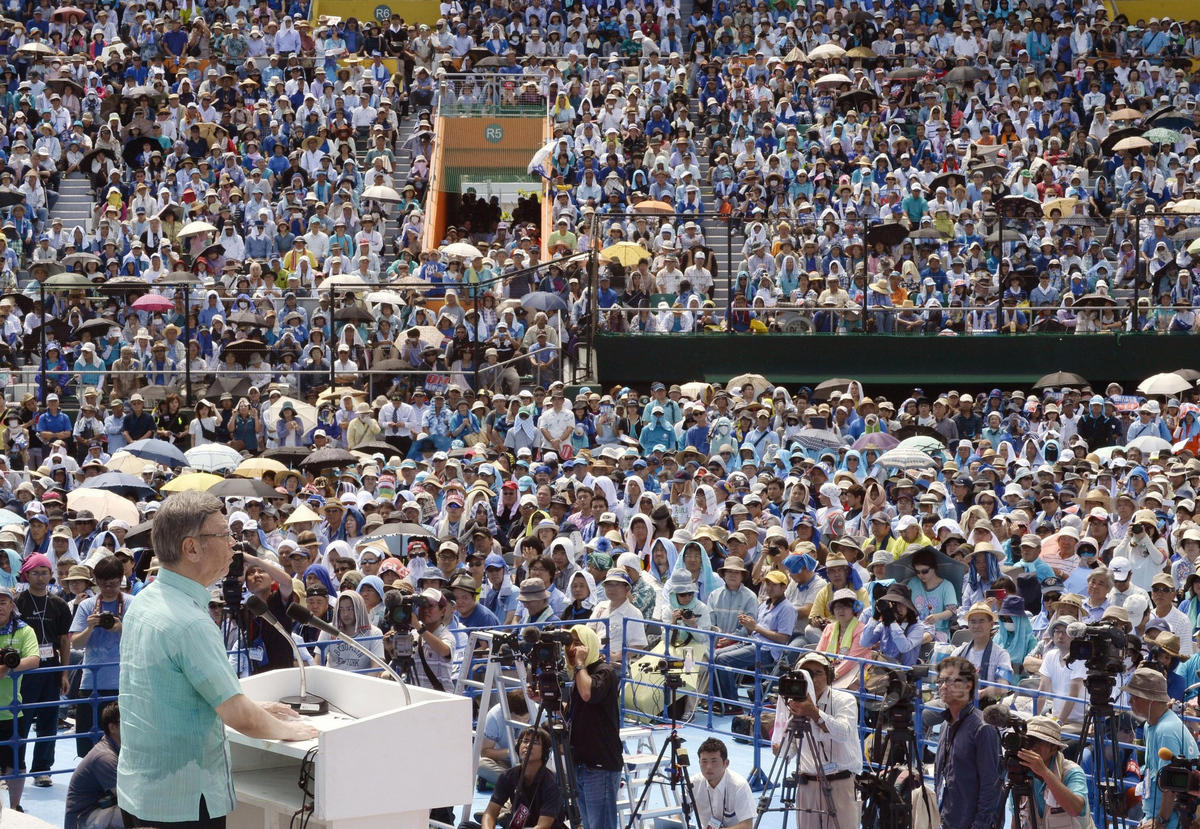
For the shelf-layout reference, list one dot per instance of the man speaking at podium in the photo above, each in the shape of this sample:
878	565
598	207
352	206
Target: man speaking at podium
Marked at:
178	690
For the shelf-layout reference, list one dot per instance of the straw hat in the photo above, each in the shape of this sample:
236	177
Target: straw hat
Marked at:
1047	730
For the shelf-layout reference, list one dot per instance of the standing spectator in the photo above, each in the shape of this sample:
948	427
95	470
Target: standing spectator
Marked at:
96	629
967	772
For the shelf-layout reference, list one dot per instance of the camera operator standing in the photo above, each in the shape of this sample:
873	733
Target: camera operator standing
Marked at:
833	715
1060	786
96	629
1150	704
435	642
967	775
595	729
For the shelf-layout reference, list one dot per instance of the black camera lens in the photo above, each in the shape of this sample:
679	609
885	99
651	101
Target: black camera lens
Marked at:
107	620
10	657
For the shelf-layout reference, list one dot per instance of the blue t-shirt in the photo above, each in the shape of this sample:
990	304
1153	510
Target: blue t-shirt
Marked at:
933	601
1169	732
103	646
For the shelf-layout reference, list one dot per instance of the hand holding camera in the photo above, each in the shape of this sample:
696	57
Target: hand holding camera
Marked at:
886	613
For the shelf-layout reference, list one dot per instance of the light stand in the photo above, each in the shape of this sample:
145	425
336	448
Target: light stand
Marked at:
677	769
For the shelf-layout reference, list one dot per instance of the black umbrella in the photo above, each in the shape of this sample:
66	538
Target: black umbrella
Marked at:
352	313
246	318
287	454
488	62
246	348
96	327
139	536
1058	379
947	568
823	390
906	73
23	301
1189	374
215	249
373	446
929	233
86	162
236	386
1095	301
891	233
122	484
8	198
543	301
400	528
1184	233
80	259
947	180
124	285
962	75
328	458
1124	132
1019	206
1173	120
243	488
989	170
856	98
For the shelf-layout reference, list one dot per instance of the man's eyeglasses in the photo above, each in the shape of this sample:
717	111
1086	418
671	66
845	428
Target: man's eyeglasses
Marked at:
1159	588
227	534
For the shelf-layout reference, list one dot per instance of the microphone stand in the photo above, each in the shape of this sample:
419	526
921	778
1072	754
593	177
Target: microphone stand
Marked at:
304	616
306	703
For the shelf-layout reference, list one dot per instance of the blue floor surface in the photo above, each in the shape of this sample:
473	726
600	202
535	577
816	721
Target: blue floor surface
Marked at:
48	804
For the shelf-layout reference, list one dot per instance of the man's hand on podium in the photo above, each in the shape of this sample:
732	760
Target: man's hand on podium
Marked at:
297	727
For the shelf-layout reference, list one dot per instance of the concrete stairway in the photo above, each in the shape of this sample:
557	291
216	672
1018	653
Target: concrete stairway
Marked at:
74	205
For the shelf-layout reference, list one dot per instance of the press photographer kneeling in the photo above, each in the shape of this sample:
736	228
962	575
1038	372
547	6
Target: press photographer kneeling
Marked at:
527	795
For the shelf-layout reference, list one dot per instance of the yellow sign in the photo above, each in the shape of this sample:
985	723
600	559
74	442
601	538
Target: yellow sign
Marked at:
379	11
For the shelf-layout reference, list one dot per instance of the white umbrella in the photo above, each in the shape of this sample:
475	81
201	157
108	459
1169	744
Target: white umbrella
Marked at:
345	281
306	414
213	457
906	459
834	78
462	250
1149	444
195	229
1165	384
383	193
923	443
826	51
390	297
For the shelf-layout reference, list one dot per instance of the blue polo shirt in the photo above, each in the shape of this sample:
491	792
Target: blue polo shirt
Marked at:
780	618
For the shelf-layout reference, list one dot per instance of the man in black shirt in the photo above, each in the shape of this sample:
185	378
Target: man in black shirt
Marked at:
138	423
595	722
50	617
266	649
528	792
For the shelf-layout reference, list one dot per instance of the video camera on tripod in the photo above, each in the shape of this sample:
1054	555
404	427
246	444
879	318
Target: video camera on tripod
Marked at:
231	585
899	696
1101	647
1013	738
542	650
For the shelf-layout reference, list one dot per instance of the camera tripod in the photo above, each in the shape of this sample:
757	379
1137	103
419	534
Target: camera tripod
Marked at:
894	762
677	769
797	736
1100	733
564	761
1020	789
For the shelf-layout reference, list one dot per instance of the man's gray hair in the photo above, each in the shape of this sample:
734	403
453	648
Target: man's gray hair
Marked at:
181	516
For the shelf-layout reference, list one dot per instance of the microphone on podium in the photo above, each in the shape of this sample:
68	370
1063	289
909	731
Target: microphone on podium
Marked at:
300	613
305	703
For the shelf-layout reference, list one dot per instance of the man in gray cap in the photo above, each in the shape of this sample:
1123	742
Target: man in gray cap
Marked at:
1151	705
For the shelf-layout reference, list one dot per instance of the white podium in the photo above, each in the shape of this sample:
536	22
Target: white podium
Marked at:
379	762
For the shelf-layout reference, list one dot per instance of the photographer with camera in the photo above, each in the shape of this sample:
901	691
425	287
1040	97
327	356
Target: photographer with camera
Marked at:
91	795
1060	787
1147	690
833	716
895	628
435	642
968	777
96	629
1144	548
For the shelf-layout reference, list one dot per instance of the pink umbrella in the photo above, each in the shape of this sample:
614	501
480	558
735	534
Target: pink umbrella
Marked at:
153	302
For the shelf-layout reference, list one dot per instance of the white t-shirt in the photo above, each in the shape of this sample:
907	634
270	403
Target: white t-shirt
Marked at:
1061	675
730	803
616	628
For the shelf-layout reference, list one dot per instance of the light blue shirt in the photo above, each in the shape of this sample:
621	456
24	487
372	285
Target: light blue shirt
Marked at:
173	745
103	646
